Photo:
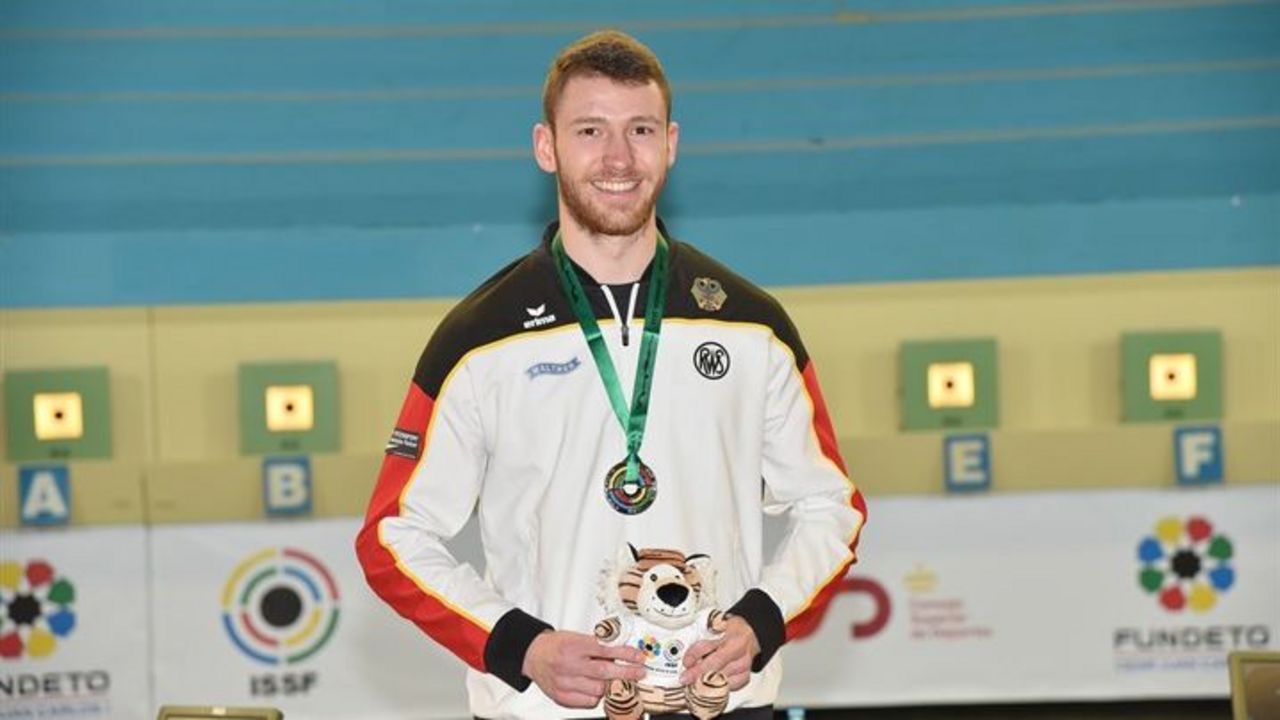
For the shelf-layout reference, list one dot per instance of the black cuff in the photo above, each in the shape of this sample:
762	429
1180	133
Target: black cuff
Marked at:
508	642
765	619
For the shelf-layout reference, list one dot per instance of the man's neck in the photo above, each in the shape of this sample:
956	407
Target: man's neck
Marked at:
610	259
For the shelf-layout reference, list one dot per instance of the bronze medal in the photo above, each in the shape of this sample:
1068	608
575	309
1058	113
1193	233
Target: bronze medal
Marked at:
630	498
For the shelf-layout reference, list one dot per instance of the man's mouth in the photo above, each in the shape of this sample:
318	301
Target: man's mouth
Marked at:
615	187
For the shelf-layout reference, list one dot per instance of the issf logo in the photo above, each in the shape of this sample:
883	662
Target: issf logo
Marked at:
280	606
36	609
1186	564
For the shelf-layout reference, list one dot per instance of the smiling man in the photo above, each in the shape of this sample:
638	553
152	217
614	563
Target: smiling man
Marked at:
519	411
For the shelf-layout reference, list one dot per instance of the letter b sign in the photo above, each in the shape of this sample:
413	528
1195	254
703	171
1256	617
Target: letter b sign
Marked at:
286	486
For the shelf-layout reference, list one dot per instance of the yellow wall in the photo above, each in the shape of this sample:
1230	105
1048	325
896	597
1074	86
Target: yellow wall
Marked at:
173	384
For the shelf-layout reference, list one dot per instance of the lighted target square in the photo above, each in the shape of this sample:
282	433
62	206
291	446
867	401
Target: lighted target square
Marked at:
57	414
1171	375
949	384
288	408
280	606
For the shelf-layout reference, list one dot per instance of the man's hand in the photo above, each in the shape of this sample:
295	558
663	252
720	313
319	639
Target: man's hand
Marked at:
572	669
730	654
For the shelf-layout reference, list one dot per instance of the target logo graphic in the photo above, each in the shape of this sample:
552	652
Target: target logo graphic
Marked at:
1186	564
35	609
280	606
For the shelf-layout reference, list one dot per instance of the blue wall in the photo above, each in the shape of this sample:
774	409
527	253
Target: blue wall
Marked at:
157	151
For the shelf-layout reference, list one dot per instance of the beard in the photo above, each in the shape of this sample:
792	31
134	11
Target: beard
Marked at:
601	219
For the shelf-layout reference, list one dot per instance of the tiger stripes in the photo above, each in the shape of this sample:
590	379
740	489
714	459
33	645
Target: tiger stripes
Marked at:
622	701
708	696
608	630
645	560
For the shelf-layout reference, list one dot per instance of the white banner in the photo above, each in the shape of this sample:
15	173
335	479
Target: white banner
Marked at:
73	624
279	615
1047	596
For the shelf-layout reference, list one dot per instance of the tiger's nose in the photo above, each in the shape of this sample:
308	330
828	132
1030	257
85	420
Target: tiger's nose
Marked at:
673	594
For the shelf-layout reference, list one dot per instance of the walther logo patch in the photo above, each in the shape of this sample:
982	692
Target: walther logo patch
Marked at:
548	368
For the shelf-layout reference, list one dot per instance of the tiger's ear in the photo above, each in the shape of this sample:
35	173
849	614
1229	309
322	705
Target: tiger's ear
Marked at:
627	556
701	564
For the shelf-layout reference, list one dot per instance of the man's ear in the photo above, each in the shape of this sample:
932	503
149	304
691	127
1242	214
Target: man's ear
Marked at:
544	147
673	142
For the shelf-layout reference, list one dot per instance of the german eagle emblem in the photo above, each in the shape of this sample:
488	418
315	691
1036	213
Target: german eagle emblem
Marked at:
708	293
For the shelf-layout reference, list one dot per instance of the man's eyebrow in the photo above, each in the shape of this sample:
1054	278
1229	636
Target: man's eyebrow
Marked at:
598	120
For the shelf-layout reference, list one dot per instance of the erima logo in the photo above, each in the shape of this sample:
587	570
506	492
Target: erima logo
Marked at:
539	317
547	368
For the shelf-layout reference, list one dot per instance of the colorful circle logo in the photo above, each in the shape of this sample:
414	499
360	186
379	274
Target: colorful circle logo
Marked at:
650	645
630	498
280	606
673	651
1185	565
35	609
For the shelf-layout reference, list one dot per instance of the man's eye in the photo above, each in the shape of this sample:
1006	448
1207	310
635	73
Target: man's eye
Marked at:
643	130
589	132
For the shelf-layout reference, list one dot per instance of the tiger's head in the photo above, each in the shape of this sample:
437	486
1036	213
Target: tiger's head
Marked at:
665	587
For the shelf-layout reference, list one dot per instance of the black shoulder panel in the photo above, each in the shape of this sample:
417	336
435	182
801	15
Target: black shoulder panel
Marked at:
525	297
521	297
695	275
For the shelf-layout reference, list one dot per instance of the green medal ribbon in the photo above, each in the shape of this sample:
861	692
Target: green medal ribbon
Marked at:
633	419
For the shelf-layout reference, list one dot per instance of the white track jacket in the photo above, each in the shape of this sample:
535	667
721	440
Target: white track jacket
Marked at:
507	417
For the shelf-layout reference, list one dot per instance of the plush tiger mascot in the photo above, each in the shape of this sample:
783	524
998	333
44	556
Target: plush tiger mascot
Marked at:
661	602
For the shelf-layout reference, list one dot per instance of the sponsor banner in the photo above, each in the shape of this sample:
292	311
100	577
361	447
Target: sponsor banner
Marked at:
73	624
280	615
1053	596
1047	596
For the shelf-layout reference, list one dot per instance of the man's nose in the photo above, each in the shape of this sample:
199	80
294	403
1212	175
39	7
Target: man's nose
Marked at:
617	152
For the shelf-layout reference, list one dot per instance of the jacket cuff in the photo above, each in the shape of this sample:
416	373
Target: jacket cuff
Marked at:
508	642
765	619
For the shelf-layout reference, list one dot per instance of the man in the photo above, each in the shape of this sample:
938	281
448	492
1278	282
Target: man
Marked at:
518	410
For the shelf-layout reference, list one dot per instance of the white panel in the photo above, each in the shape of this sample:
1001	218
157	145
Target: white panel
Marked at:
373	666
75	639
1037	597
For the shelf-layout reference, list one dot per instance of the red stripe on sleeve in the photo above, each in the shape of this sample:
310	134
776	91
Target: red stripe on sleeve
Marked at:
457	633
822	419
807	621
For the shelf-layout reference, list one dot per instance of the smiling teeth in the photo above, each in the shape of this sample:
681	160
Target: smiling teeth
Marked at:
616	187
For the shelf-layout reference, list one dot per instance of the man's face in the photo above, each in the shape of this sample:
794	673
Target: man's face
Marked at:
610	151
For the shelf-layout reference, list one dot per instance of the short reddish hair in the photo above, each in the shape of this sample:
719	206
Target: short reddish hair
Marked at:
608	53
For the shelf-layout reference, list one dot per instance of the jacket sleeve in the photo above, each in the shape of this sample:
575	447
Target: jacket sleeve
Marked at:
806	478
426	490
